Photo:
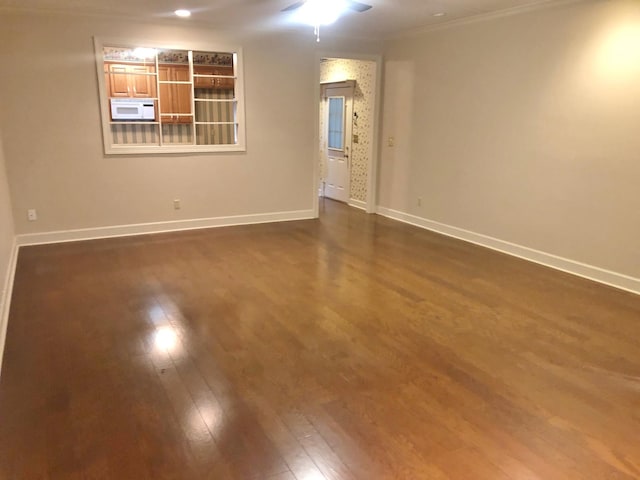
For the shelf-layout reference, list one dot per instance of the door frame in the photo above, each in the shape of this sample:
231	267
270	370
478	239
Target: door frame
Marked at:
374	149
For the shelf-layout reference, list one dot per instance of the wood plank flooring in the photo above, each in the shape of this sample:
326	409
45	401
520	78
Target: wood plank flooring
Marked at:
347	348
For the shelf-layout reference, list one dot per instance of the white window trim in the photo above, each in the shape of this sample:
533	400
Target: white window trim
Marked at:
111	149
344	106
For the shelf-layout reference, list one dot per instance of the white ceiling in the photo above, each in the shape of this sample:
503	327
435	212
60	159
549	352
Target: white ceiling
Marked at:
387	17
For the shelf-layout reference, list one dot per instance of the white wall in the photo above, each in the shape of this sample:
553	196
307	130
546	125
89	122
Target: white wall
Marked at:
524	128
50	117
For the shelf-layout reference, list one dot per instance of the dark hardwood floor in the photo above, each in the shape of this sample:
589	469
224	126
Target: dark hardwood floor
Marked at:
351	347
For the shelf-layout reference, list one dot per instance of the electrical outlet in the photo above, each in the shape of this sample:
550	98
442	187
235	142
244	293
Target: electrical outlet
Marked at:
32	215
419	201
176	204
391	141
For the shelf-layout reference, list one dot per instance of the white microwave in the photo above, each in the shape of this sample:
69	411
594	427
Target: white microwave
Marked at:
133	109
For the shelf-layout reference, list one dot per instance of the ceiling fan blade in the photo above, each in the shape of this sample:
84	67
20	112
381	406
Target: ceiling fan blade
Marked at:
357	6
293	6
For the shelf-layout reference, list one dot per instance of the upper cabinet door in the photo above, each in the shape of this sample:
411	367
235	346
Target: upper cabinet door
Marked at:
166	97
225	83
133	81
175	98
118	81
182	93
143	85
213	82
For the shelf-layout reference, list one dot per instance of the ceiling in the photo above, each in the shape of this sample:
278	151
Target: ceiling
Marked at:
388	17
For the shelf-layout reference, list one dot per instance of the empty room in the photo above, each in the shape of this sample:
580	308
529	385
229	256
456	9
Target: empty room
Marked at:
320	240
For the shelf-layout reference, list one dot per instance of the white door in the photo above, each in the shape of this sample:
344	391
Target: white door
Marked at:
338	108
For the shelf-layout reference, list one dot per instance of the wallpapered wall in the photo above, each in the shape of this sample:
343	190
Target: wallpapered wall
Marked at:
364	73
131	54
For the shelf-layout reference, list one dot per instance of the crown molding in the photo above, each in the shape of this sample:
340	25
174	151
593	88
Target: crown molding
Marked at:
130	18
171	21
483	17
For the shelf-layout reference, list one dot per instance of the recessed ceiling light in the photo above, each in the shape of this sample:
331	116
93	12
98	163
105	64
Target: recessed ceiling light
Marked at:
182	13
440	14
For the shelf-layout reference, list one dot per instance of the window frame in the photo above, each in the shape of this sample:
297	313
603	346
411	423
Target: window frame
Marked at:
116	149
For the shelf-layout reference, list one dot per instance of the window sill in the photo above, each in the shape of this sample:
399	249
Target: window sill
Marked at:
166	149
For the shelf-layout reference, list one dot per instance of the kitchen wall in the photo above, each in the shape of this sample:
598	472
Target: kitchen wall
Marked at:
364	73
523	128
50	118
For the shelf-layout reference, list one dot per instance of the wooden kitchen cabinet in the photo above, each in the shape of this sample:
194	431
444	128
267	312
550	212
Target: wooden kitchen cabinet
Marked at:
215	83
175	98
130	80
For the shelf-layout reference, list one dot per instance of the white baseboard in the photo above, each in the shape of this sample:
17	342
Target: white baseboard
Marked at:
614	279
5	297
159	227
357	204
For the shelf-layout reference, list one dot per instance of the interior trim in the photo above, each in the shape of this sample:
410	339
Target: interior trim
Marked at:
481	17
5	298
358	204
373	149
159	227
590	272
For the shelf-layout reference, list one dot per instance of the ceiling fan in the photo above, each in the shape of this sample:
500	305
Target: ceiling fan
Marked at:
350	4
323	12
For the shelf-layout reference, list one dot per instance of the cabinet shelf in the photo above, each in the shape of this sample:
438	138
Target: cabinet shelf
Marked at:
129	122
216	100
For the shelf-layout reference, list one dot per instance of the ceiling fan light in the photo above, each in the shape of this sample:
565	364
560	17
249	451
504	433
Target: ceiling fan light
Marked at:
320	12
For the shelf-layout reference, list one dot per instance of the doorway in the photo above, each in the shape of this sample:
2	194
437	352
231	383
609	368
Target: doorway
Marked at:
347	130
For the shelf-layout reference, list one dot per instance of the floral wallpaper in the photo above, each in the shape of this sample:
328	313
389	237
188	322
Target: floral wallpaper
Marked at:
209	58
364	73
166	56
126	54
